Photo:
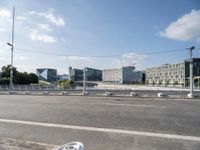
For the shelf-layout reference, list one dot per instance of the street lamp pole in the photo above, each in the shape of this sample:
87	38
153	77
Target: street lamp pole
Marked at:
84	81
191	71
12	48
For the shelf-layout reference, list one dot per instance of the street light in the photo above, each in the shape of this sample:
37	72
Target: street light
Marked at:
12	47
191	72
84	81
11	67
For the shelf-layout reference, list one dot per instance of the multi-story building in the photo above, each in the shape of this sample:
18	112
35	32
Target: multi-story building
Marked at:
173	73
91	74
47	74
63	77
122	75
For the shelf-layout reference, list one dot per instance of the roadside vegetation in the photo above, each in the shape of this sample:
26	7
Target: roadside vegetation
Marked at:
18	77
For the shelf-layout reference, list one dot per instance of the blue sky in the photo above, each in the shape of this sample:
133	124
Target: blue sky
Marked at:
71	31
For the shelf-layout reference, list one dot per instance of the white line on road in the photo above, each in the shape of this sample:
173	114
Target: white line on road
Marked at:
107	130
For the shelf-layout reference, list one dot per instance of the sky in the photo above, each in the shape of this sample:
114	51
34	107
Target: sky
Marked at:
99	34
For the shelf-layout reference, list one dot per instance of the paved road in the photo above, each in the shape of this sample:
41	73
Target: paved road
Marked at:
107	123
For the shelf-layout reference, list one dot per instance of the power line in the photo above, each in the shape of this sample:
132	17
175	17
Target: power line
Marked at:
101	56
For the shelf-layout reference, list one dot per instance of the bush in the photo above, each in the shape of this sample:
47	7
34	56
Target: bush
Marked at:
5	81
66	84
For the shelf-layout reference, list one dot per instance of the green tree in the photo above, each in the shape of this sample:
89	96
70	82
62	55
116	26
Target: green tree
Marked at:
5	81
21	78
167	83
66	84
175	83
18	77
186	83
6	71
153	83
33	78
199	83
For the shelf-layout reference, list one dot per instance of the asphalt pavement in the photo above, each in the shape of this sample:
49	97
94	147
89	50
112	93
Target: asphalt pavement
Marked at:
107	123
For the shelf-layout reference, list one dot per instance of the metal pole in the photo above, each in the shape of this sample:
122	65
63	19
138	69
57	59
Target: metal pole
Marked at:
191	72
12	48
84	81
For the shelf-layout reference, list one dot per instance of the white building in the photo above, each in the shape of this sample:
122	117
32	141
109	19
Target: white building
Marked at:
122	75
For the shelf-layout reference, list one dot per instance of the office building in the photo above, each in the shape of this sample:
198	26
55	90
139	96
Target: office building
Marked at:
47	74
91	74
63	77
172	74
123	75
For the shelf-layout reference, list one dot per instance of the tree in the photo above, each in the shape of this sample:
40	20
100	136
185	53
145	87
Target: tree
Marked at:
33	78
199	83
6	71
18	77
21	78
66	84
5	81
186	83
167	83
175	83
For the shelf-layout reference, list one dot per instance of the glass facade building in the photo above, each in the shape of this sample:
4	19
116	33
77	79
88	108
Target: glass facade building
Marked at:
46	74
91	74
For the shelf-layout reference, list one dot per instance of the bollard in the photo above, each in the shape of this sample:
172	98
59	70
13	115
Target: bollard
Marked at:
133	94
108	94
161	94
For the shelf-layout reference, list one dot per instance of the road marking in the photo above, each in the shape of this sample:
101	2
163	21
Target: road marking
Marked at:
129	105
107	130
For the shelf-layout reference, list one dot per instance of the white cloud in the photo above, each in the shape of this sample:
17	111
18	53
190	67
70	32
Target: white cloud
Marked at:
1	51
24	58
5	13
36	35
2	29
21	18
50	16
3	44
77	58
185	28
27	68
44	27
128	59
32	12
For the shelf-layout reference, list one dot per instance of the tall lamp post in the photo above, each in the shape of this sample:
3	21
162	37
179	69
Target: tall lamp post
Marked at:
191	72
84	81
12	47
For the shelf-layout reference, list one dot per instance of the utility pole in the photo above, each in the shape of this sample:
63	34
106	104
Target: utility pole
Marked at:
84	81
12	48
191	72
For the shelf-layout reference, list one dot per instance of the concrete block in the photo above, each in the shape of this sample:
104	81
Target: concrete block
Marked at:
108	94
133	94
160	94
191	95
